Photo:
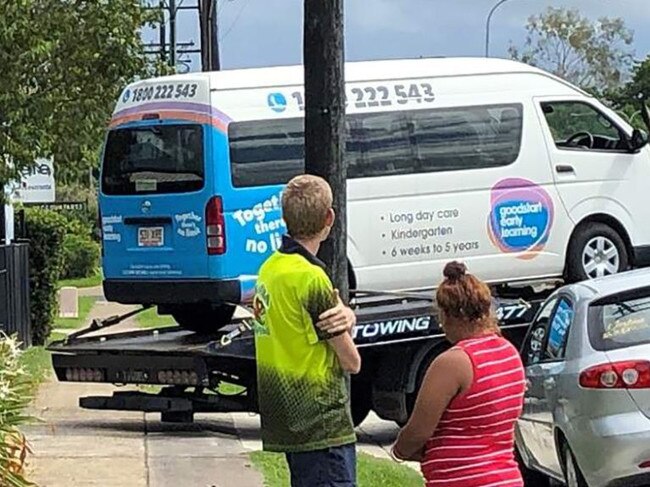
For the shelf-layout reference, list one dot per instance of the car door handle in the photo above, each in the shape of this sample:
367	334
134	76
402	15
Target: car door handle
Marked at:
549	383
564	169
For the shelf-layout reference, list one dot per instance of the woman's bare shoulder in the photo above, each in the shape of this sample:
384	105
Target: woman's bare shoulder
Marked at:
454	363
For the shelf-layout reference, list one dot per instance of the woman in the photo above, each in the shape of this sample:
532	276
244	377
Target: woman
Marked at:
462	426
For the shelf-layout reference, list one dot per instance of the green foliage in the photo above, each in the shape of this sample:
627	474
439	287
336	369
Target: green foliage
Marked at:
91	281
625	100
595	55
15	394
46	231
371	471
79	193
63	66
80	256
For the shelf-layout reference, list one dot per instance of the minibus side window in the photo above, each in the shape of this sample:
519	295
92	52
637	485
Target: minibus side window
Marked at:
268	152
580	126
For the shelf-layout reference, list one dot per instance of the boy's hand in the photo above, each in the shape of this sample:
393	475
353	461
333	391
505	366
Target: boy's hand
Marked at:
338	319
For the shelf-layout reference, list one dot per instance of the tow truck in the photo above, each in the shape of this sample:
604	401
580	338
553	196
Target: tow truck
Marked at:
398	336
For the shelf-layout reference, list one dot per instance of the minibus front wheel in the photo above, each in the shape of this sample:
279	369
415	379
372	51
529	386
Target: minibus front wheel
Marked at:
203	317
596	250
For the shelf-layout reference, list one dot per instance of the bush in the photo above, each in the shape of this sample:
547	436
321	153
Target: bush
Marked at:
15	395
80	256
76	192
46	231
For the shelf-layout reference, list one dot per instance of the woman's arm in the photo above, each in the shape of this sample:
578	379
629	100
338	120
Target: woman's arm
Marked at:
449	374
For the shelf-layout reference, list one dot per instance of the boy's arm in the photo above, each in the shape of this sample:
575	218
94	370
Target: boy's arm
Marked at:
347	352
321	299
337	319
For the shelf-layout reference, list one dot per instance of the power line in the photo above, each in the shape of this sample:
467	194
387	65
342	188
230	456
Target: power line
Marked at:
239	14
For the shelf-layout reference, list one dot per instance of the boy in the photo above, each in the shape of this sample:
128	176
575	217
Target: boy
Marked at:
304	347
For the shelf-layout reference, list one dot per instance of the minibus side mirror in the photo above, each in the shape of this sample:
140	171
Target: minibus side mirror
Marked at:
638	140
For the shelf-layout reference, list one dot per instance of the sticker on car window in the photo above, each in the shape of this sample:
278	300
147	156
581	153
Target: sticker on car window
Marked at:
624	326
559	327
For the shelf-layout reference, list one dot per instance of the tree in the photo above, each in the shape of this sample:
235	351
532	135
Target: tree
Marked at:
625	99
64	63
593	55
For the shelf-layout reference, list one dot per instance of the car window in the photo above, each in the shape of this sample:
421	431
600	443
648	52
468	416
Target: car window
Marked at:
559	330
533	350
578	125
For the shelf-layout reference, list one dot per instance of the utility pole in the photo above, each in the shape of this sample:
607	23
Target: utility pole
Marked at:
214	41
323	52
210	59
162	40
172	33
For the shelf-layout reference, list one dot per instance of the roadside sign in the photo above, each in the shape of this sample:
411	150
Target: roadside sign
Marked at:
36	184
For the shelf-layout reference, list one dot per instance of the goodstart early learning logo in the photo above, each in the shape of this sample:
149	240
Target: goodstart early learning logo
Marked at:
521	217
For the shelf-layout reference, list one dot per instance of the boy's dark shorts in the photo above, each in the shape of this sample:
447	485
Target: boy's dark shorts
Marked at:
331	467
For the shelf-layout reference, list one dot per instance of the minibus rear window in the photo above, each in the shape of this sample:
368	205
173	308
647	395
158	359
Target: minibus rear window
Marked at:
268	152
153	160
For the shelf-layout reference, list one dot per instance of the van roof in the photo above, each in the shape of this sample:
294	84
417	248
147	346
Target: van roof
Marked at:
370	70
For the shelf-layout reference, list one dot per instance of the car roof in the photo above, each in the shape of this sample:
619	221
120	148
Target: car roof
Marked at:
615	284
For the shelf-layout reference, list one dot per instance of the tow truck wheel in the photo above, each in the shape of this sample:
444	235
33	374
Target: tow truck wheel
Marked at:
361	401
203	318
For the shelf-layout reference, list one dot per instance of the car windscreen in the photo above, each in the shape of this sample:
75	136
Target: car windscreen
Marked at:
152	160
620	322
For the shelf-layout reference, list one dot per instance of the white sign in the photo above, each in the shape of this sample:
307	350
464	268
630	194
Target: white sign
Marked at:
36	183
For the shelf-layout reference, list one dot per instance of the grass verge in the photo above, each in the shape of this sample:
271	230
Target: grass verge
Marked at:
151	319
371	471
92	281
38	363
86	303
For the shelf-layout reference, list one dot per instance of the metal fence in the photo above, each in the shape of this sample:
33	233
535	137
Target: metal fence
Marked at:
14	291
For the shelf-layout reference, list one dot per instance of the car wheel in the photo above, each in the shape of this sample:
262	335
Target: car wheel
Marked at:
574	477
203	318
596	250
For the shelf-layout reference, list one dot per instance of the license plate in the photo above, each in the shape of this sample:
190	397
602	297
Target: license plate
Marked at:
151	237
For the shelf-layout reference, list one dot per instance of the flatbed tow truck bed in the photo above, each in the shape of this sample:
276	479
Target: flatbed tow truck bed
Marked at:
398	336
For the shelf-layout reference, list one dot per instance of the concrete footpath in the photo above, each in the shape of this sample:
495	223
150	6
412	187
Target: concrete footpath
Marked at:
74	447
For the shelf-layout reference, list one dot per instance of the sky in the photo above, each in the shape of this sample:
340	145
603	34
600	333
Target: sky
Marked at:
269	32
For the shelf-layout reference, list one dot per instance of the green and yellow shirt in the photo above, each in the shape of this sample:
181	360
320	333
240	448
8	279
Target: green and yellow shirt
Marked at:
302	390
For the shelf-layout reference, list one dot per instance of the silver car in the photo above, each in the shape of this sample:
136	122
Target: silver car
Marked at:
586	418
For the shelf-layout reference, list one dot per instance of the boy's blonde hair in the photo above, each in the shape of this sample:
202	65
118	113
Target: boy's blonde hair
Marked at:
306	201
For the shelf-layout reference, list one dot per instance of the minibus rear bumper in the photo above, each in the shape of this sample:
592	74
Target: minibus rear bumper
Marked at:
184	291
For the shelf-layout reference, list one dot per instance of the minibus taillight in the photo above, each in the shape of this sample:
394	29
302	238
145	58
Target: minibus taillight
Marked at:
215	228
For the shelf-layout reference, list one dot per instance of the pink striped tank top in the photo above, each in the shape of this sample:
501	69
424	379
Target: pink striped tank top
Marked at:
473	445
